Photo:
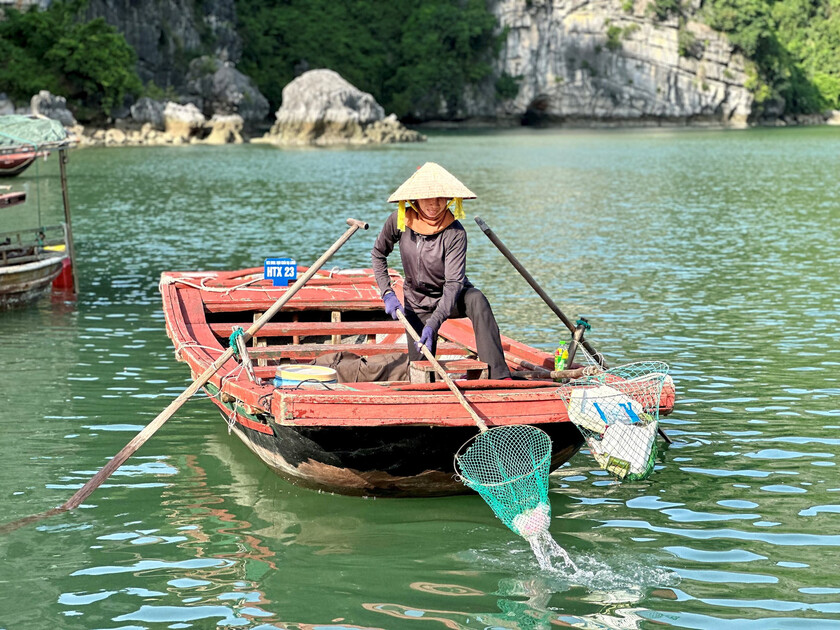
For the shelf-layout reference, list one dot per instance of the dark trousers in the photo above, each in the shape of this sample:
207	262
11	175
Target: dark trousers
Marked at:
471	303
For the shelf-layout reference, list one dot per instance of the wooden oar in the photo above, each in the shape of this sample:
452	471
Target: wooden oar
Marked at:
442	373
150	429
549	302
530	280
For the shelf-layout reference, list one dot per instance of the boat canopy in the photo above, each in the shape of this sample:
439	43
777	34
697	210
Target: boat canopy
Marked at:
31	133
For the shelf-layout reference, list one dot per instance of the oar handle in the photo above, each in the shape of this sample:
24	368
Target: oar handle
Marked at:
150	429
442	373
361	225
534	285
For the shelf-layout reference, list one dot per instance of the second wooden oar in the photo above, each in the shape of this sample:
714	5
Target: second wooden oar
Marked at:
150	429
549	302
536	287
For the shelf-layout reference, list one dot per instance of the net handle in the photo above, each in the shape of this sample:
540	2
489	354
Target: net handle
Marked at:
442	373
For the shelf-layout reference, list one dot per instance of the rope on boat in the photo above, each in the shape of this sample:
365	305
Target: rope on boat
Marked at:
244	285
194	344
203	287
237	332
231	419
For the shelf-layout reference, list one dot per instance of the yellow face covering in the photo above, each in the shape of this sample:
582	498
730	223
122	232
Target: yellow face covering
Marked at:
457	213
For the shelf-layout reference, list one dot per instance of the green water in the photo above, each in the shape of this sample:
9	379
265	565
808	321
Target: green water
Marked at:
717	252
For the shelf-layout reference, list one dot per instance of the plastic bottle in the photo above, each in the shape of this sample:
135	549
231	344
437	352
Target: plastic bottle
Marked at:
560	356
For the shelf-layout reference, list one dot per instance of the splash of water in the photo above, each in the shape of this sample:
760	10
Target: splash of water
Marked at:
546	550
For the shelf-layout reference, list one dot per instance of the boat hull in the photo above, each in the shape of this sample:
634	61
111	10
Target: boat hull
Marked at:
13	164
27	282
380	461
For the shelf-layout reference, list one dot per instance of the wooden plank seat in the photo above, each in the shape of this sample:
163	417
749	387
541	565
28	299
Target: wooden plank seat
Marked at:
339	297
421	371
290	329
295	304
313	350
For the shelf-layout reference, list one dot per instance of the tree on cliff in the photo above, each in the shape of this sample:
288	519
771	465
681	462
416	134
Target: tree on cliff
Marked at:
89	63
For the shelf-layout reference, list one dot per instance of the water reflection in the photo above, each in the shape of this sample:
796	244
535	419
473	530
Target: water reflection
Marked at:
527	603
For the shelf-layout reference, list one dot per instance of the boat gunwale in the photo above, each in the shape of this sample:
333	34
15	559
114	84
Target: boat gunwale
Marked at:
48	259
194	338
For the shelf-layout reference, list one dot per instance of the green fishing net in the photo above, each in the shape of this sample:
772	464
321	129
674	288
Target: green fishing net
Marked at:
508	466
30	132
617	412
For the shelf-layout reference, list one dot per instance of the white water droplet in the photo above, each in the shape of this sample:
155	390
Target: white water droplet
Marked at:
546	549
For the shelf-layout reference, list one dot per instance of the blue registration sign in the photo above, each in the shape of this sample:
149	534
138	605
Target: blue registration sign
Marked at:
281	271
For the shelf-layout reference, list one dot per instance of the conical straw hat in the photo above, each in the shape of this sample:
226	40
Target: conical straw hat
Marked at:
429	181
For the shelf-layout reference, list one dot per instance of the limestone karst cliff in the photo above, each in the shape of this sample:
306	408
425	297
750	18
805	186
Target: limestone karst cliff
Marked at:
167	34
607	62
595	60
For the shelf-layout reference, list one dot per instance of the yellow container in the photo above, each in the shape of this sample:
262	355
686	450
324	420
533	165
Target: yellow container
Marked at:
294	375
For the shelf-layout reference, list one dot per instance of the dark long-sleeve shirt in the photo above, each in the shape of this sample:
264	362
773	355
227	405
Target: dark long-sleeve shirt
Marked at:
434	266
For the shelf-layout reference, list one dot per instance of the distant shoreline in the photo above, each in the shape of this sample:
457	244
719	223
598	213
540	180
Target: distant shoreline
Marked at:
100	136
810	120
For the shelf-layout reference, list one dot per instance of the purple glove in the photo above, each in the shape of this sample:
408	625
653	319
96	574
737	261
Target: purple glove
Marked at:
425	339
392	304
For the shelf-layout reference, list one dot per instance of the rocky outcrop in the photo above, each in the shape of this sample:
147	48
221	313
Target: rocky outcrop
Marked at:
321	108
608	62
225	129
182	122
51	106
222	89
147	110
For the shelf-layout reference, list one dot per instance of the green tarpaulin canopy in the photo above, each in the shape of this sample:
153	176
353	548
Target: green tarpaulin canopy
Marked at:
31	132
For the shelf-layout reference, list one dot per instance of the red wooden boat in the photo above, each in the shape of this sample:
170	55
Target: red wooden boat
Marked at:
382	438
30	263
8	200
34	257
12	164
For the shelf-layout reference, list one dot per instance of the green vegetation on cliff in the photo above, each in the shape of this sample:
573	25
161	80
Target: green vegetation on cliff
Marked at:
415	56
794	46
89	63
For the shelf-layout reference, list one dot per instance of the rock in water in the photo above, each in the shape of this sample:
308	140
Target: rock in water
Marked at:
52	106
147	110
321	108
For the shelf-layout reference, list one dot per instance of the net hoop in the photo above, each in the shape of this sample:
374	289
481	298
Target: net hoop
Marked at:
468	444
617	413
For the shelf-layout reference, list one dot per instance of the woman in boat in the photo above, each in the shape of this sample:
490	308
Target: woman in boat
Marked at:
433	250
